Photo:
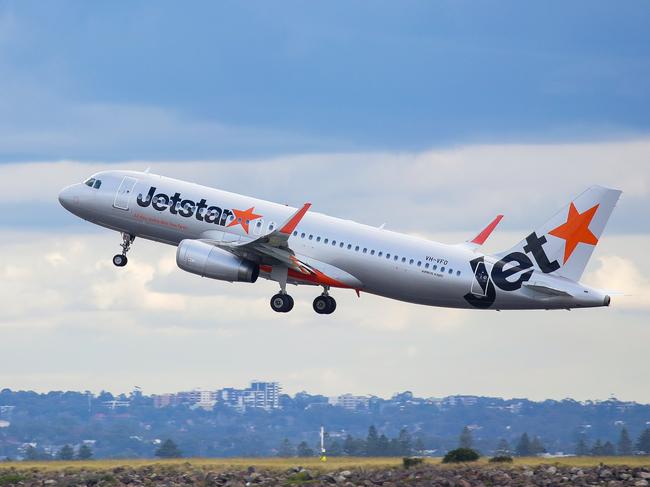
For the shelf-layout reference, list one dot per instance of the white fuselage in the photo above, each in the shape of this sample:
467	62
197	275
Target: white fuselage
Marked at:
385	263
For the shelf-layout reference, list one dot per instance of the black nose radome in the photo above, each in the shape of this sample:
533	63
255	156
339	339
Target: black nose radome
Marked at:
607	300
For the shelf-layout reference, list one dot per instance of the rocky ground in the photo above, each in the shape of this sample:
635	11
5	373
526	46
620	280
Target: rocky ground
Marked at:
435	475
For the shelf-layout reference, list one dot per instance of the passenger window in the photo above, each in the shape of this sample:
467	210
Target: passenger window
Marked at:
334	243
372	252
311	237
434	267
442	269
317	239
411	262
302	235
271	226
356	249
380	253
326	240
458	273
365	250
419	263
349	246
451	271
341	244
388	256
403	259
295	234
426	266
396	257
98	183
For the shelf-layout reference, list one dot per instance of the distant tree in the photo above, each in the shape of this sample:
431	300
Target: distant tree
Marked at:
383	447
372	442
643	443
465	439
353	447
31	454
419	446
523	446
84	453
286	449
168	450
582	448
608	449
503	448
303	450
624	445
597	449
335	449
536	446
404	440
65	453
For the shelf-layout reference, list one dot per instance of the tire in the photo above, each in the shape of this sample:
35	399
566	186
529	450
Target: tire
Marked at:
120	260
332	305
321	305
288	304
281	303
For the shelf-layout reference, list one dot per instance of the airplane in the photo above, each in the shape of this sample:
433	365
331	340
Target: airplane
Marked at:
236	238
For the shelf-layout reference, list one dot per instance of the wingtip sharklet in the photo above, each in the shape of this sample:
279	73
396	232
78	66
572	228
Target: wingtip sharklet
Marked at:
292	222
486	232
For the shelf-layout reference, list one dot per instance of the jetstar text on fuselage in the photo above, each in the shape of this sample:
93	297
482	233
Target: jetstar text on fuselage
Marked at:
176	205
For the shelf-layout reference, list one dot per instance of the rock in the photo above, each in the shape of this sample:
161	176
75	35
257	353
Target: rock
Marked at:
605	473
641	483
552	470
643	475
346	473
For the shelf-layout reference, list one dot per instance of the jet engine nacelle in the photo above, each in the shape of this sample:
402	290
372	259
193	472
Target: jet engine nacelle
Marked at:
207	260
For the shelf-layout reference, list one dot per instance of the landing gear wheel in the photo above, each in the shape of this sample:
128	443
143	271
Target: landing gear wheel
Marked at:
332	305
324	305
120	260
281	303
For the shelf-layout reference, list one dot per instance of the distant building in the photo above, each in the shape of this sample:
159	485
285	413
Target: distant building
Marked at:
260	395
348	401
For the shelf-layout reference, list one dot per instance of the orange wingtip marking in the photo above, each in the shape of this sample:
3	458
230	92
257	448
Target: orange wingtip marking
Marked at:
485	233
295	219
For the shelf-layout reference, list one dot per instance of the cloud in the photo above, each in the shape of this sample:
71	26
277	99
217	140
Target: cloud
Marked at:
623	275
423	192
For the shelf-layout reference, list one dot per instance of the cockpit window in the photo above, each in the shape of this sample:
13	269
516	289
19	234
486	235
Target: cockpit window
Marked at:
93	183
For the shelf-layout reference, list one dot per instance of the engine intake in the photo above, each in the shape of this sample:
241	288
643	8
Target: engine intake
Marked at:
207	260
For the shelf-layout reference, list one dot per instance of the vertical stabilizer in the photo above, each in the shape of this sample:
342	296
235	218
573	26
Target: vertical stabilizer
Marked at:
564	244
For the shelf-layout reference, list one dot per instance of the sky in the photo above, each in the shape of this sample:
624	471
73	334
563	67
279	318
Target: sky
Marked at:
431	117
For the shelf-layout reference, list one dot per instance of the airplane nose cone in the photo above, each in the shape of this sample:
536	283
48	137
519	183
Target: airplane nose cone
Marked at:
67	198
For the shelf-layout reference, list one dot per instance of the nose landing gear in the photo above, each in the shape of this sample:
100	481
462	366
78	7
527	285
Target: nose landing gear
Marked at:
120	260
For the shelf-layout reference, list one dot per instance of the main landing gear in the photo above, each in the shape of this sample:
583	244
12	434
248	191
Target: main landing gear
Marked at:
324	304
282	303
120	260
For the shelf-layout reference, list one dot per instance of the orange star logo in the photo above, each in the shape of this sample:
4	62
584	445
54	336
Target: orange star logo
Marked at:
243	218
576	230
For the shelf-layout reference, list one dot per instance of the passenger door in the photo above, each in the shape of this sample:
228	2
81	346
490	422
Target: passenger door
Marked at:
123	194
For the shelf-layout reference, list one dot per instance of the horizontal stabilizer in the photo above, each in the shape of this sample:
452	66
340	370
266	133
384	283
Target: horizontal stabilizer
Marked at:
545	289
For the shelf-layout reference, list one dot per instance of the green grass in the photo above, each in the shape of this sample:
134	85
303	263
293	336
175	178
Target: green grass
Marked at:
333	463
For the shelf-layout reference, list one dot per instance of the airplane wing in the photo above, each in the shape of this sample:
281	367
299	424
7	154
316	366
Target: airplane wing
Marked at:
273	249
483	235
